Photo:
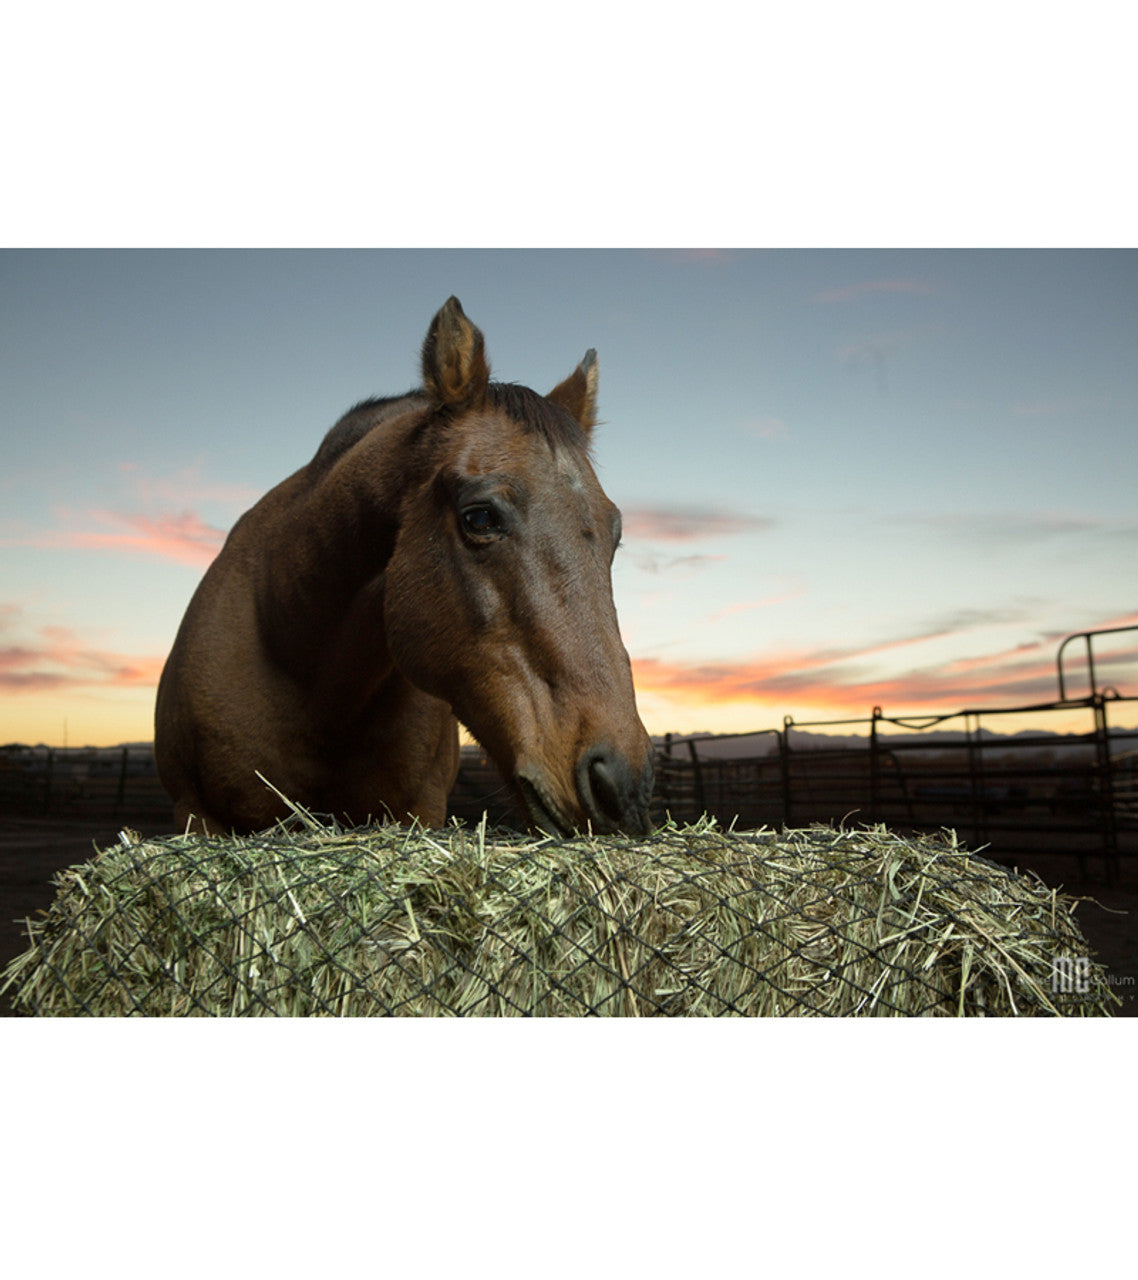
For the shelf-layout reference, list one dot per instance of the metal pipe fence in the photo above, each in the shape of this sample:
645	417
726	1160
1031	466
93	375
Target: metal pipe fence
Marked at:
1032	792
81	782
1039	793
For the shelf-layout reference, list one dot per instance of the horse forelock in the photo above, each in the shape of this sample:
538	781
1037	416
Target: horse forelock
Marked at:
535	414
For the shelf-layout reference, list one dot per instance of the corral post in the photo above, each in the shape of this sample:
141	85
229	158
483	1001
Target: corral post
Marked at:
47	780
120	797
976	780
1108	826
700	797
874	766
664	776
784	767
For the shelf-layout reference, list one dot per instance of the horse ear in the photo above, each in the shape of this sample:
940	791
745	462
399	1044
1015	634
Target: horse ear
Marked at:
578	393
455	371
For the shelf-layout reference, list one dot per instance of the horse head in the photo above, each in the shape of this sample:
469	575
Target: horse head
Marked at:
498	593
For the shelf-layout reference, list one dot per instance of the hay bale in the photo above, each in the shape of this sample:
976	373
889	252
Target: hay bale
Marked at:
690	921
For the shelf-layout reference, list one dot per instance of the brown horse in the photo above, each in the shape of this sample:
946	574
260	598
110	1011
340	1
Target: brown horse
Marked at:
446	554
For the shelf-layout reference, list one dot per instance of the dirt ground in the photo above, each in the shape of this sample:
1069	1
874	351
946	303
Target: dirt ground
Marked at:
33	850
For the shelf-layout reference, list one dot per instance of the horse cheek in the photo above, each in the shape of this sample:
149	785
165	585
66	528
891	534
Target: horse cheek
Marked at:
419	624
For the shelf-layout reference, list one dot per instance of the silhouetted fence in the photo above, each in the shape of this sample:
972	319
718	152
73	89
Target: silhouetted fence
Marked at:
1039	793
114	782
87	782
1035	792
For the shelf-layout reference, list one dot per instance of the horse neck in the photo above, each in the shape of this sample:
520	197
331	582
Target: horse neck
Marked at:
322	584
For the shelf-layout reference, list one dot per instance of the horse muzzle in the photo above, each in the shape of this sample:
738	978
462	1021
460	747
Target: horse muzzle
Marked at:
612	795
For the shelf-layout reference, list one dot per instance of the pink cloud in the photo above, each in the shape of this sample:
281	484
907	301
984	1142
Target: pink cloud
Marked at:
836	681
768	428
684	524
185	537
56	659
684	566
158	518
187	488
848	292
1060	406
801	680
695	255
746	606
1123	620
987	660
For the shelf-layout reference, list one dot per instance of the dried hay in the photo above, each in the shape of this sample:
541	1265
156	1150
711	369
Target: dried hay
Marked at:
690	921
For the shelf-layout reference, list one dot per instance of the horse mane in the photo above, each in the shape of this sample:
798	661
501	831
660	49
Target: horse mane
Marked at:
535	413
530	411
357	423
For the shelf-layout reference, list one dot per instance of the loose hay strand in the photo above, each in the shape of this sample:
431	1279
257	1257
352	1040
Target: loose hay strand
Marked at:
691	921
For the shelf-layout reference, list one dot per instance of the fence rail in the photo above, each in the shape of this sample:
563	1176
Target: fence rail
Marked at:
1074	794
87	782
1039	793
1034	792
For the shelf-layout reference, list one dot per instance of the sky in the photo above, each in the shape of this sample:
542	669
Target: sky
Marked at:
849	478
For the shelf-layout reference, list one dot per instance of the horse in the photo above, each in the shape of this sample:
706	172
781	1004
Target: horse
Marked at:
444	558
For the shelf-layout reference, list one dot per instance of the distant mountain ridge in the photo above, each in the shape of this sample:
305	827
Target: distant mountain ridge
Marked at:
738	746
710	746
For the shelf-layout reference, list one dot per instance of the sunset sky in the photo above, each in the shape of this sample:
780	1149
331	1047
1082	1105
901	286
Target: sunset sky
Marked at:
848	477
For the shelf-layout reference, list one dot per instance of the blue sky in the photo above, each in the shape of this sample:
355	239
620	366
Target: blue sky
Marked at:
857	477
849	477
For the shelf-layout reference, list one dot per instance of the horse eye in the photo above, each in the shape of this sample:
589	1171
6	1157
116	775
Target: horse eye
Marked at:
481	522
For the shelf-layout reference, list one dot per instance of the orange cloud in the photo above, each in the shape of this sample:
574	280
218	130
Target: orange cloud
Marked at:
836	681
839	689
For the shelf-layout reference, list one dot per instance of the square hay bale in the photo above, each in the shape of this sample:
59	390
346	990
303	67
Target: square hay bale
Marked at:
692	920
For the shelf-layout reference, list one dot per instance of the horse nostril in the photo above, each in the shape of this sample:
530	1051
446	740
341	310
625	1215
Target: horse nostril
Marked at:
612	793
605	789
